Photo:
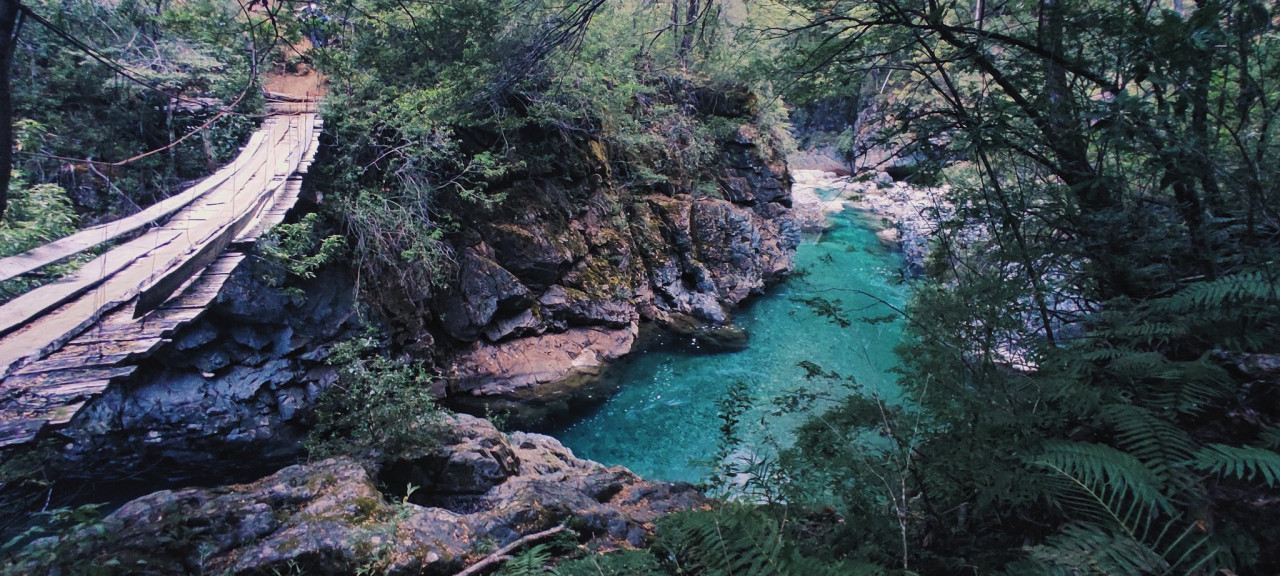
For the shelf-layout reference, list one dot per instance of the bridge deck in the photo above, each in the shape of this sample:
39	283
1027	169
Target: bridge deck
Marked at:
62	344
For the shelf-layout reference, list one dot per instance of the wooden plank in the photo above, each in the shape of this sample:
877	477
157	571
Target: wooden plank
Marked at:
52	390
51	364
68	376
71	392
91	350
19	431
164	285
54	328
89	237
24	308
158	289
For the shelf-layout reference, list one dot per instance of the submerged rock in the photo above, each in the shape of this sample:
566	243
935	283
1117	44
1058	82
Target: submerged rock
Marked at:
482	489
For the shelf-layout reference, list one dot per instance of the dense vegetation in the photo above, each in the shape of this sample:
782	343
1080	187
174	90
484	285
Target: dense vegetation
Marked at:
1076	365
98	94
1090	365
1080	396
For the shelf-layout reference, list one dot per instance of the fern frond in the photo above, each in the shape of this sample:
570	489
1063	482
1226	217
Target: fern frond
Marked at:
1088	548
1118	481
1158	442
734	539
1188	387
1243	462
1251	286
1270	438
1084	545
531	562
1150	332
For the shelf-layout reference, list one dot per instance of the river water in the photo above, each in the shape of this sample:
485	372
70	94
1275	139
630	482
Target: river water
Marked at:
663	424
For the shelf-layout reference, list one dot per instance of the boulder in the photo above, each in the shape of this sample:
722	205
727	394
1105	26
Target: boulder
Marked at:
330	517
484	290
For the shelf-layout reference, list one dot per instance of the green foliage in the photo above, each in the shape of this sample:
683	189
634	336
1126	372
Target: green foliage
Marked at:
1084	548
531	562
621	563
74	541
1106	474
297	250
36	215
733	539
438	125
1242	462
1131	531
1101	251
377	406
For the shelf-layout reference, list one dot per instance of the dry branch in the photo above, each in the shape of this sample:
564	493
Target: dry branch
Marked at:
503	554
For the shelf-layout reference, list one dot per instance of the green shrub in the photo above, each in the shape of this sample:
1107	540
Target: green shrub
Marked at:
378	406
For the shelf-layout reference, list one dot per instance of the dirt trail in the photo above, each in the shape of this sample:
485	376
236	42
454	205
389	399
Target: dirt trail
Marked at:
304	83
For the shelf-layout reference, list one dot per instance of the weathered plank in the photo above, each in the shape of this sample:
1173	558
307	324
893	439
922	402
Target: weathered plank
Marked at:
89	237
178	251
48	379
54	363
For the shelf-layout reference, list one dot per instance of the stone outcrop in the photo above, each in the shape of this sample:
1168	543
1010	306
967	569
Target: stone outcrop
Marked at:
482	488
229	397
552	291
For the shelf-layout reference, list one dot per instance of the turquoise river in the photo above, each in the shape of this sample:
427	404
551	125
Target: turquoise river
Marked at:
663	424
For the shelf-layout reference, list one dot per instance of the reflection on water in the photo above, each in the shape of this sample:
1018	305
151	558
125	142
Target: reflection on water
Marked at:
662	422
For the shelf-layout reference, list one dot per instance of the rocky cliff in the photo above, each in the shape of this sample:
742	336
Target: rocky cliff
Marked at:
551	292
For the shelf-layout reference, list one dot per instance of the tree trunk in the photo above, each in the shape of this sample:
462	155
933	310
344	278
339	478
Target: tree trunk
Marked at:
9	11
690	22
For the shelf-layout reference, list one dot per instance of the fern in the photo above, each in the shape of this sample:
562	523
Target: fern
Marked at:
734	540
1158	442
531	562
1088	548
1243	462
1270	438
1252	286
1151	332
1130	530
623	563
1106	475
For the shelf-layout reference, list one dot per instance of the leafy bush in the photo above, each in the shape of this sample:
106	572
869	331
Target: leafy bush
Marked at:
378	406
36	215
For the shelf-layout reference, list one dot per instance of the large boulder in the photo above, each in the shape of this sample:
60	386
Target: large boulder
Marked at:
482	488
535	379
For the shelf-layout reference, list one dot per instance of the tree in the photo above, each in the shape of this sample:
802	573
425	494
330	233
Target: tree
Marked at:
1113	243
9	11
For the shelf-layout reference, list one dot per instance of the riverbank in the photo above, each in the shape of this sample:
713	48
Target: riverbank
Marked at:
906	215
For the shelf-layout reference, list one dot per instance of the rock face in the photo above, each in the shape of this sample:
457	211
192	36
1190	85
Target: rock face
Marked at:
229	396
552	288
330	517
548	288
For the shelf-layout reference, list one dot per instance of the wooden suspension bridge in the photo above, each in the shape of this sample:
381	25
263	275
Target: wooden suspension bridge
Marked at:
63	343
